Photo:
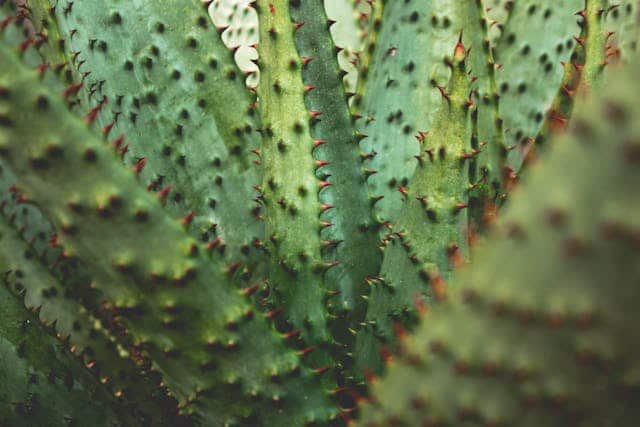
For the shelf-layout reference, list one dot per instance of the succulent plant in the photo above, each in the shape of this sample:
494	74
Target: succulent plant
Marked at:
446	237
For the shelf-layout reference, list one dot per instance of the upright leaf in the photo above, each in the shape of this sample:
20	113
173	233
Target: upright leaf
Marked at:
543	339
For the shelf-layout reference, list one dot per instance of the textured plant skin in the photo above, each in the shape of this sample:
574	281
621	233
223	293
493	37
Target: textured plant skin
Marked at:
429	215
488	147
351	239
445	216
562	350
197	252
586	66
195	337
40	381
622	19
159	58
233	174
406	65
524	56
58	289
498	12
290	185
374	21
83	335
398	77
583	73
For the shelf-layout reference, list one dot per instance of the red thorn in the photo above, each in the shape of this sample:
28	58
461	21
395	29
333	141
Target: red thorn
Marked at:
399	330
419	304
439	287
232	268
318	142
460	50
330	243
472	236
460	205
490	213
455	257
162	194
321	370
325	224
72	90
386	355
292	334
5	22
337	390
273	313
124	150
54	241
510	177
42	68
443	92
250	290
332	264
107	129
215	243
91	117
26	43
430	153
558	119
473	153
188	218
370	376
421	136
568	91
140	164
118	141
305	351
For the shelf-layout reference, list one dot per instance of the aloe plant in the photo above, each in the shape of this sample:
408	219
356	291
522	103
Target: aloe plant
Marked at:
180	249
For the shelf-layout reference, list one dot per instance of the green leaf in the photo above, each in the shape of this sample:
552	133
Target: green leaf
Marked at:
215	354
545	314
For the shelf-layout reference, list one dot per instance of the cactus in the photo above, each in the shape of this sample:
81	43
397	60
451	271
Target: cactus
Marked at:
562	351
180	249
41	381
